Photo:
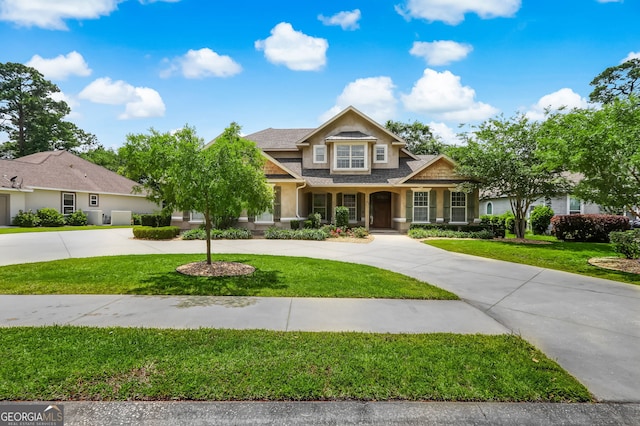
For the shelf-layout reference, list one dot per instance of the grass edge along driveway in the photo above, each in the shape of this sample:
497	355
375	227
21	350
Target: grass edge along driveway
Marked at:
275	276
563	256
79	363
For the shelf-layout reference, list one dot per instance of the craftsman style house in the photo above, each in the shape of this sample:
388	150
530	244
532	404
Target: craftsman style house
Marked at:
354	162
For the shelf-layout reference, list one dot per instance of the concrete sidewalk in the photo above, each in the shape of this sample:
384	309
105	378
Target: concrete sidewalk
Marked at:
270	313
590	326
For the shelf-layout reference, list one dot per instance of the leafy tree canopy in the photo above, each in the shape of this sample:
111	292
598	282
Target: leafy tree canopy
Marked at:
620	81
219	181
420	140
603	146
505	157
31	117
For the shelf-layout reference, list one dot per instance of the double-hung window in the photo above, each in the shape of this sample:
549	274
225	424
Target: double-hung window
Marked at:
319	154
93	200
458	207
351	157
575	205
68	202
350	201
380	154
421	206
320	204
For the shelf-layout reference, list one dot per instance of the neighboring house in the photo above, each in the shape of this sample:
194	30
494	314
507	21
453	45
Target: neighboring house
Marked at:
61	180
564	204
354	162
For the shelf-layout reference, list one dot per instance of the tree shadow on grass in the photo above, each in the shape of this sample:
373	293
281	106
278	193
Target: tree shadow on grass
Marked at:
174	283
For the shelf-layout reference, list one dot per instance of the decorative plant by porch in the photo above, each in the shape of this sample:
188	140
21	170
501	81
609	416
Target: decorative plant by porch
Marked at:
342	217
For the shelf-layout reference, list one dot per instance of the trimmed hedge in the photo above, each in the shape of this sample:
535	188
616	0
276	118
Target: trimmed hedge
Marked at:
483	234
50	217
77	218
155	220
449	227
156	233
495	223
587	227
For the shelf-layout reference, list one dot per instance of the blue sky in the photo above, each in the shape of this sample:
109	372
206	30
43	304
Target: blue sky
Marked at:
125	66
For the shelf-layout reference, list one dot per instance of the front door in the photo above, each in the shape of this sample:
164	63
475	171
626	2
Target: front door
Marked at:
381	210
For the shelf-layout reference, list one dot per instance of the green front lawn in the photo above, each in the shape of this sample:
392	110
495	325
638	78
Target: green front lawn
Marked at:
75	363
156	275
19	230
564	256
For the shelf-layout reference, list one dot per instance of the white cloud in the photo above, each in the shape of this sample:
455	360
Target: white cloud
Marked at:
50	14
452	11
373	96
140	102
563	98
203	63
630	56
61	67
441	95
295	50
440	52
445	133
346	20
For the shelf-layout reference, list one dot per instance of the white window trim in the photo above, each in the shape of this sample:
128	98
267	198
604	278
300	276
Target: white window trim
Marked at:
428	206
196	217
569	197
73	194
335	157
97	200
265	221
317	149
451	207
375	153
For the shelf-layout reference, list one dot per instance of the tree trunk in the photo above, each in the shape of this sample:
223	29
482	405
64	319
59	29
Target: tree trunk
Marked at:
207	230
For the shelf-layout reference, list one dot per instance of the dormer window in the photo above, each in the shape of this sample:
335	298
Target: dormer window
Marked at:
350	156
380	154
319	154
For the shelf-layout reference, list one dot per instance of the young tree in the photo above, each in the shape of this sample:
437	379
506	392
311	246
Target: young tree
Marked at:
420	140
620	81
219	181
31	118
602	145
105	157
505	157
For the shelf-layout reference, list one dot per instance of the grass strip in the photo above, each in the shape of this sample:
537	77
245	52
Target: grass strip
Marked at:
563	256
156	275
19	230
78	363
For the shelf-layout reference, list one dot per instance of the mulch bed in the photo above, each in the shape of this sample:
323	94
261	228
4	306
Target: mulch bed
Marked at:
216	269
631	266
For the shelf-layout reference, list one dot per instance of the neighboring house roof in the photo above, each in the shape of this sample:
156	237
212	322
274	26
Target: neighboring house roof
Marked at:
61	170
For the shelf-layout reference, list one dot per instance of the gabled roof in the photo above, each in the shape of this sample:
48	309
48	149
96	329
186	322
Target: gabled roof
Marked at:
61	170
278	139
430	160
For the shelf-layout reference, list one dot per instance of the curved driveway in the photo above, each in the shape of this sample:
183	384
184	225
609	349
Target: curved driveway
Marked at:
588	325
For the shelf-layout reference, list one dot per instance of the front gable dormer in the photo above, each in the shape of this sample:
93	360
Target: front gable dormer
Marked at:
351	143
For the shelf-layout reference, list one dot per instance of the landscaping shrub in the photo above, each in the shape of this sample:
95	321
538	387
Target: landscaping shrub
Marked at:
495	223
360	232
541	219
275	233
626	243
484	234
587	227
295	224
316	220
26	219
155	233
342	217
77	218
155	220
136	220
50	217
509	222
218	234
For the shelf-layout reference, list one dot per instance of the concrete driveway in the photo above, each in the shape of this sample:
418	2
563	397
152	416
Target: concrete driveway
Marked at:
589	326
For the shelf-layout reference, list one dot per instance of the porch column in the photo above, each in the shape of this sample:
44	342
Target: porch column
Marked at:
367	209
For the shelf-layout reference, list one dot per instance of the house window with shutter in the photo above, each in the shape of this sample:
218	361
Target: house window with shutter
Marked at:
320	205
458	207
350	201
421	206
